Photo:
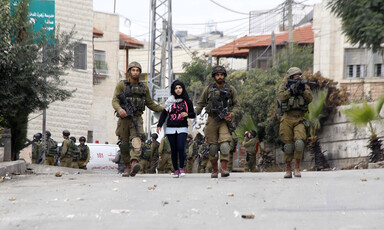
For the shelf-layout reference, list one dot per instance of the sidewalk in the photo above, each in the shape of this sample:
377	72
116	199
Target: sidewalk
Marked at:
13	167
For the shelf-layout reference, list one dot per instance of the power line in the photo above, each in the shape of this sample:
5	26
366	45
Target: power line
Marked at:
234	11
204	23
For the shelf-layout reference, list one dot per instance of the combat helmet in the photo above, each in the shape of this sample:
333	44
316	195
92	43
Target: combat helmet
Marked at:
190	136
47	134
134	64
37	136
73	139
66	133
219	69
154	135
82	139
293	70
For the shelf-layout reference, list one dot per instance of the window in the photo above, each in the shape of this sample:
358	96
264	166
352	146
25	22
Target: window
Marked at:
378	70
100	64
80	55
356	71
350	71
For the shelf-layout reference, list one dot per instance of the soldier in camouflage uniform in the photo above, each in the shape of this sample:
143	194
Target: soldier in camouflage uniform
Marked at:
204	163
233	146
84	153
154	153
138	94
50	149
75	155
37	148
294	99
216	98
165	161
145	157
190	149
249	143
67	151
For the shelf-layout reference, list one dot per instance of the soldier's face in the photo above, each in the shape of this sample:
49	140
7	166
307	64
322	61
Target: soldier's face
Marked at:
219	78
178	90
135	72
82	142
296	76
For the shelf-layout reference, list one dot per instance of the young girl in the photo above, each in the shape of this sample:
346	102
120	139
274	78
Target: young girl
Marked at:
179	107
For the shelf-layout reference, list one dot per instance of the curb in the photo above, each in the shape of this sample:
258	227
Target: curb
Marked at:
13	167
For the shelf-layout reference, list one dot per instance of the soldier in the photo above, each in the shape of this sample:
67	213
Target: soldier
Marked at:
294	98
134	96
249	143
233	146
67	150
165	161
220	102
84	153
154	153
76	154
37	149
203	153
50	149
189	153
145	157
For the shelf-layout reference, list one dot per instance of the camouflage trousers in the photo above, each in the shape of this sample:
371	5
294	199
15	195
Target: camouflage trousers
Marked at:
250	166
49	160
165	165
205	166
66	162
145	164
217	133
292	129
130	146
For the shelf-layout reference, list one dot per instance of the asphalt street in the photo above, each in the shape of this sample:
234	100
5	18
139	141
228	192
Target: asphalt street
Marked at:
319	200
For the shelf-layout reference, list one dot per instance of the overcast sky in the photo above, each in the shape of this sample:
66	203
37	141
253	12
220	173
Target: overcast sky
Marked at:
190	12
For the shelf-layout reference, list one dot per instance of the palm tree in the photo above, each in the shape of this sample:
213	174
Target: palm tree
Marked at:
363	115
315	109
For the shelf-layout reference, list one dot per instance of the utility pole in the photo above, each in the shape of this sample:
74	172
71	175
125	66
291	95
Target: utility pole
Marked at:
161	68
273	45
290	29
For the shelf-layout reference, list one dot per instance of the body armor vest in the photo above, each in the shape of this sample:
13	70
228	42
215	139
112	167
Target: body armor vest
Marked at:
72	149
219	97
146	151
135	93
294	103
51	147
83	152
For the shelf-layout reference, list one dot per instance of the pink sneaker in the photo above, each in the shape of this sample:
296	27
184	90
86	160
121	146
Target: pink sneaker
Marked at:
176	174
182	172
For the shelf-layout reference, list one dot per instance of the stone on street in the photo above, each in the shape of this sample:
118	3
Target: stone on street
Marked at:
319	200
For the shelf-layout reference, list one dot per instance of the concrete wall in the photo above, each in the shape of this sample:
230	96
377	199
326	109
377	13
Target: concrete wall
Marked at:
102	120
74	113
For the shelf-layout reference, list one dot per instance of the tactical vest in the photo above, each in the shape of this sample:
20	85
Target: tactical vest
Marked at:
83	152
219	97
36	150
294	103
135	93
51	147
146	155
72	151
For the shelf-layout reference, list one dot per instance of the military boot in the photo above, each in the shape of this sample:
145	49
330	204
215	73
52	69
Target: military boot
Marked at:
215	170
224	170
135	168
288	172
126	170
297	173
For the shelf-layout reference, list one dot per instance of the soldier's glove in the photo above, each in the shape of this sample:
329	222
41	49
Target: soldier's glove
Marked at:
293	89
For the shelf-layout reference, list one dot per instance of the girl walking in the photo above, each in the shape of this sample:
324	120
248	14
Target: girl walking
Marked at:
178	108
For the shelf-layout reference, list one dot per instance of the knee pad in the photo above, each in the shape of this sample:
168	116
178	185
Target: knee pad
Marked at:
225	148
136	143
288	148
299	146
213	150
124	147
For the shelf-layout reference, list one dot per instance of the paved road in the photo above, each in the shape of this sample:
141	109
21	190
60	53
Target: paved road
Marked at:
319	200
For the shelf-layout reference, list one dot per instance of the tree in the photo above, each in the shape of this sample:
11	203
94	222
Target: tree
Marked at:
314	115
196	75
363	115
30	69
362	20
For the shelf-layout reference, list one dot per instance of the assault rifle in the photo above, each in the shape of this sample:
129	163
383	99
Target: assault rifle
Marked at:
222	111
204	154
297	86
129	108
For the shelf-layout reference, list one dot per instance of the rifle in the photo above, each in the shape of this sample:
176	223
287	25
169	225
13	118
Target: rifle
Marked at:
223	111
297	86
129	108
204	154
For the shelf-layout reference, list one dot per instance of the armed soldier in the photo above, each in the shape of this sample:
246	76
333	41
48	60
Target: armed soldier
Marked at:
76	154
233	146
220	102
50	150
165	161
67	151
145	157
129	101
190	153
203	153
249	144
84	153
37	148
294	96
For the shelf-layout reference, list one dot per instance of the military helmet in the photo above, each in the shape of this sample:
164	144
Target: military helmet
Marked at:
73	139
219	69
66	133
190	136
293	70
134	64
253	133
82	139
47	134
154	135
37	136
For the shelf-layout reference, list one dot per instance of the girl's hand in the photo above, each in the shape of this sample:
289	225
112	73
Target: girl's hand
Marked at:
184	114
158	130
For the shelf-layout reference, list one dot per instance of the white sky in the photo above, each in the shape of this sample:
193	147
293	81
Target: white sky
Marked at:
188	11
